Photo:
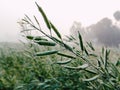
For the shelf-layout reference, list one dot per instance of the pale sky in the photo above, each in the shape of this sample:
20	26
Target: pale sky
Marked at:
61	12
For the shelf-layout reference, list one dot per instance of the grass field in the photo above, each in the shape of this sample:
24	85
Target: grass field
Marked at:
21	70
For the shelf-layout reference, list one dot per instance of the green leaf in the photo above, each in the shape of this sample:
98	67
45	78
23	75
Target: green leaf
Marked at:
99	63
46	53
118	63
57	40
91	79
90	71
37	38
81	41
55	30
94	55
103	50
64	62
67	47
107	52
86	51
28	18
36	20
108	85
84	66
44	16
45	43
102	60
91	46
65	55
29	37
69	38
72	37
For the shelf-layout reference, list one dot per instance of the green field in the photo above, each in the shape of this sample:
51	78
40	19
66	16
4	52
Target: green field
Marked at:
21	70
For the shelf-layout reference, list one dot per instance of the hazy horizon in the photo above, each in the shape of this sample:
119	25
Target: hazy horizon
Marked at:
61	13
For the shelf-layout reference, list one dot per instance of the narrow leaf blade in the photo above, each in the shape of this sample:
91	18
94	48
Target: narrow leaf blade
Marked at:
55	30
29	37
65	55
44	16
91	79
91	46
38	38
84	66
64	62
46	53
81	41
36	20
45	43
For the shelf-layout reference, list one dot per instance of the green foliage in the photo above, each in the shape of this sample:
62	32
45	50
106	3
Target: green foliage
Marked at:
45	43
44	16
65	55
46	53
56	31
67	65
94	72
81	42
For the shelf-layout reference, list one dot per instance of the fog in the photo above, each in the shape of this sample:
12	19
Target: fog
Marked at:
104	32
61	12
11	11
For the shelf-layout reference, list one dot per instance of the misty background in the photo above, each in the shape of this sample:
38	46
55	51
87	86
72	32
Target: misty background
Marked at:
104	32
97	20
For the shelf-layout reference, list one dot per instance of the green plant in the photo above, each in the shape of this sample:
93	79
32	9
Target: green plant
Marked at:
19	69
80	69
